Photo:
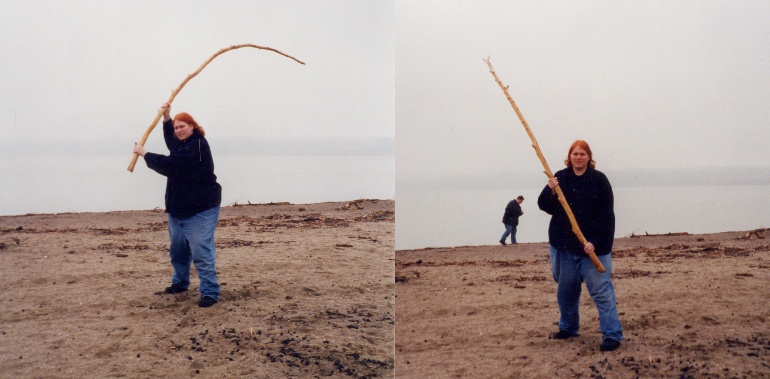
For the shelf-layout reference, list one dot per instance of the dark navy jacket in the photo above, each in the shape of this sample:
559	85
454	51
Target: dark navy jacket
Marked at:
591	200
512	213
191	186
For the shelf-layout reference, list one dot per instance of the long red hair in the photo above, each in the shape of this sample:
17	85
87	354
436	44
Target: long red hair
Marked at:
583	145
185	117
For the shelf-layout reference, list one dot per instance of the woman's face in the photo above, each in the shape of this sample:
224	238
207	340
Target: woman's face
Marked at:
579	159
182	130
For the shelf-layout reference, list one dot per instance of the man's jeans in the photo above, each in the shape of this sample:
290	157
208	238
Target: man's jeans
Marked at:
192	241
569	270
509	229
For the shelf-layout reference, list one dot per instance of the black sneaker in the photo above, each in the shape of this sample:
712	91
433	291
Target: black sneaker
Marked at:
563	335
206	301
175	288
502	243
609	344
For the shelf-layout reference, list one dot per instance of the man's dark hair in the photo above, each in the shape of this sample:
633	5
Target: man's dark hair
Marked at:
520	198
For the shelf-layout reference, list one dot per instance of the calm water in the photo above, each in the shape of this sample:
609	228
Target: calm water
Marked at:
59	184
473	217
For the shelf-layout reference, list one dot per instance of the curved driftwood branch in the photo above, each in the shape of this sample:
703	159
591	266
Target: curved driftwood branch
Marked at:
179	88
559	193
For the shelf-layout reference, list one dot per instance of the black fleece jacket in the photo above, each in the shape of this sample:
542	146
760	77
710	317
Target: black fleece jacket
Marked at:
191	186
512	213
591	200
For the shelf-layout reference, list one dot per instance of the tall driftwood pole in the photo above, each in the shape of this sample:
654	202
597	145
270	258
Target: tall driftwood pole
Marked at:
559	193
179	88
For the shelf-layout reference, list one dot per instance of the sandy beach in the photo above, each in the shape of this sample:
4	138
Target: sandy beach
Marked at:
692	306
307	291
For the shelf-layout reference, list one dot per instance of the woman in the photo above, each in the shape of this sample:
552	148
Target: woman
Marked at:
589	194
193	197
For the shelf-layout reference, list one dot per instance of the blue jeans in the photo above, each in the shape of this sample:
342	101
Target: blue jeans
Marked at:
509	229
192	241
569	270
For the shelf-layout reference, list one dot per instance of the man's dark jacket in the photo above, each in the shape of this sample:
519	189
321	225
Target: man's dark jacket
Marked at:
512	213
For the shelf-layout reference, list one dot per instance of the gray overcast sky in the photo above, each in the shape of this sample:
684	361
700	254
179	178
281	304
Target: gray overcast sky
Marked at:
81	80
98	70
653	84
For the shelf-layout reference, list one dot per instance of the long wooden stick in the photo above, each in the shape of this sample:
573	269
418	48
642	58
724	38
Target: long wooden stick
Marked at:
179	88
559	193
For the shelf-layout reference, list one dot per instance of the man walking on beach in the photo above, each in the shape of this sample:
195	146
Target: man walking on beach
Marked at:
511	219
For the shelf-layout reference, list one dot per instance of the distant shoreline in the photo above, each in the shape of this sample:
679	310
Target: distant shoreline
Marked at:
697	236
632	177
158	209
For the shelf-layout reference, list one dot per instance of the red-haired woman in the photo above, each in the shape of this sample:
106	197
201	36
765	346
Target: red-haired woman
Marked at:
193	197
590	197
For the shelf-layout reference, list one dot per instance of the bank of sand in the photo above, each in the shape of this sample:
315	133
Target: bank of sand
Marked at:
307	291
692	306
